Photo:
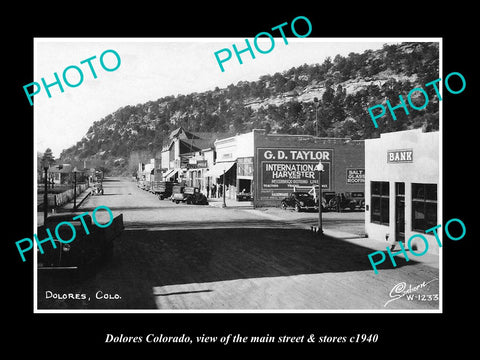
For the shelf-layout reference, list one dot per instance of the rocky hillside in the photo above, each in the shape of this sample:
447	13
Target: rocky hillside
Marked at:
283	102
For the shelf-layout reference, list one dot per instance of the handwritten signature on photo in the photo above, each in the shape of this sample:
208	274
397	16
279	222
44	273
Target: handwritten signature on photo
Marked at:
400	290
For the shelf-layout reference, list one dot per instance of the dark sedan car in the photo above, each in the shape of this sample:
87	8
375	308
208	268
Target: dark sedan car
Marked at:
299	201
85	252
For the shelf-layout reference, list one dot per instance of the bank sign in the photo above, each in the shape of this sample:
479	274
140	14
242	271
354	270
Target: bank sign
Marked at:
400	156
282	169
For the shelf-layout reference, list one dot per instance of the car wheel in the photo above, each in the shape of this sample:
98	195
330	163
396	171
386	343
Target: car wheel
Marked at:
284	205
297	208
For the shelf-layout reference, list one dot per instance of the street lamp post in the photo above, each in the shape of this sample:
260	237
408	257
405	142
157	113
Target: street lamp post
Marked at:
45	195
223	190
320	228
320	169
315	100
75	188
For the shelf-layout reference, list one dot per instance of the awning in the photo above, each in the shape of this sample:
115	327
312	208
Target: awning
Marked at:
218	169
169	173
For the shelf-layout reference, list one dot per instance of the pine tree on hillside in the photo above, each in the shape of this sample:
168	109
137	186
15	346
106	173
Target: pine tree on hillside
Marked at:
47	158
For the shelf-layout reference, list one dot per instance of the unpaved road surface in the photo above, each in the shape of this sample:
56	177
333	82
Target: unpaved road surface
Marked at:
191	257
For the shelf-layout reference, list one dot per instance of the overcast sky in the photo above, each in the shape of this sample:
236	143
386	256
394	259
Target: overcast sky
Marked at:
151	69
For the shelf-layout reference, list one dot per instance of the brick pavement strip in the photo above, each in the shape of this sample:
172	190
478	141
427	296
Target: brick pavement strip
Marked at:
176	257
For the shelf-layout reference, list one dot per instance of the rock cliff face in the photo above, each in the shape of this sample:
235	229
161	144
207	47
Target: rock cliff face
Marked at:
283	102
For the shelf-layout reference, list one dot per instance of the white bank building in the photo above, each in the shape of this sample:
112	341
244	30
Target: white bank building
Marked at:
402	188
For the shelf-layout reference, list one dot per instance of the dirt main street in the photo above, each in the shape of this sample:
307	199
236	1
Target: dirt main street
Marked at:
193	257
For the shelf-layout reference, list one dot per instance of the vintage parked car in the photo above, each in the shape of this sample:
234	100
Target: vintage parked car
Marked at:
97	189
299	200
194	196
326	196
143	184
359	198
163	189
147	185
86	252
244	196
341	202
178	194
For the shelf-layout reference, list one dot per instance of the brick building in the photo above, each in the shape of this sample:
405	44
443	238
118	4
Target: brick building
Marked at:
284	162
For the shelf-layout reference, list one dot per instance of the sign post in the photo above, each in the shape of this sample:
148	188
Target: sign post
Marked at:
223	190
75	188
45	195
320	229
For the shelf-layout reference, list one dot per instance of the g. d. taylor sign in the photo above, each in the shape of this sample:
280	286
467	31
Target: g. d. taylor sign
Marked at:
283	169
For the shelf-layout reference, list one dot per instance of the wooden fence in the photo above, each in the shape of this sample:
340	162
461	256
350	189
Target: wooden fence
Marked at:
55	200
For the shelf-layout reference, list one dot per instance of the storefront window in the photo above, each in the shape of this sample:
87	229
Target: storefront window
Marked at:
424	206
245	166
380	202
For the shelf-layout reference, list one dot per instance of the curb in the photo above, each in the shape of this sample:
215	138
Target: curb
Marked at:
312	228
218	204
80	199
89	192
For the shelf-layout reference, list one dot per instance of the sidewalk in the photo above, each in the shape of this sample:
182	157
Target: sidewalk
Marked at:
366	242
248	205
230	203
68	207
80	199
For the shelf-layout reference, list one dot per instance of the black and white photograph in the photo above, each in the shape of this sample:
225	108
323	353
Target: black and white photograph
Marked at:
209	174
188	180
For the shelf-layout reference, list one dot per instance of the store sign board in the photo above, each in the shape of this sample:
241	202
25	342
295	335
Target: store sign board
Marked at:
356	176
282	169
202	164
400	156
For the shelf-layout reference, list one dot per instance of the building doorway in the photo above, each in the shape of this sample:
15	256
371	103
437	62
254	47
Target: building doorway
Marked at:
244	185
